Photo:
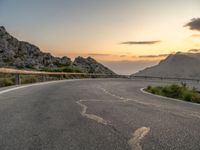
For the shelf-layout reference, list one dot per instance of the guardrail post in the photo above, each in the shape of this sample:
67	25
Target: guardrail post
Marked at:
61	77
17	79
43	78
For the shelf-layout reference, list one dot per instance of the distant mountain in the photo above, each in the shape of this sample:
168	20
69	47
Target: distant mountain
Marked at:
182	65
23	55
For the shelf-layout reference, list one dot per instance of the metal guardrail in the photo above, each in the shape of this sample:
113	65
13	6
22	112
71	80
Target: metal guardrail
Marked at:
27	72
166	78
17	74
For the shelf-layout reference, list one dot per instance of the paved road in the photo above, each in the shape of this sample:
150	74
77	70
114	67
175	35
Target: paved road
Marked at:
104	114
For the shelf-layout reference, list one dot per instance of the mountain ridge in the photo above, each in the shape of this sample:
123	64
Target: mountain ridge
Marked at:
24	55
178	65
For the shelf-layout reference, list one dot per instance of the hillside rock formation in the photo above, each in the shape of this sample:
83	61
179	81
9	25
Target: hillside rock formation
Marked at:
179	65
19	54
23	55
90	65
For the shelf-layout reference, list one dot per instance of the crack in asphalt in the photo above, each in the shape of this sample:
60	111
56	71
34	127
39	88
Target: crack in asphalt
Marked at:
95	117
137	136
140	133
90	116
194	114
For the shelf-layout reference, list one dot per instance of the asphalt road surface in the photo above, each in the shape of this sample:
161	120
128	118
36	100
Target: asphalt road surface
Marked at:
101	114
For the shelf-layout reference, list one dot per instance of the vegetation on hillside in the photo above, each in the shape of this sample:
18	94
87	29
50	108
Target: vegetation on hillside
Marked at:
181	92
8	80
65	69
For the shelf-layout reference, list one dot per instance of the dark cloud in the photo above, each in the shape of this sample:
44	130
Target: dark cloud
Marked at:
153	56
148	56
194	24
140	42
194	50
97	54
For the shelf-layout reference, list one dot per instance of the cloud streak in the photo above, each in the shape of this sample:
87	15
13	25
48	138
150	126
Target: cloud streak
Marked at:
140	42
194	24
154	56
194	50
122	56
97	54
195	35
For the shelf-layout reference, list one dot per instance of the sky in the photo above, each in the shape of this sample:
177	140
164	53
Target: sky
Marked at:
125	35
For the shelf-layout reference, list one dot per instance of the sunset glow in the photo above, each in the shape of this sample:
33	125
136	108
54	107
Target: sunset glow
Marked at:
102	28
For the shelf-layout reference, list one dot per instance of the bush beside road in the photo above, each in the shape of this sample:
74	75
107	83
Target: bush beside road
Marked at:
181	92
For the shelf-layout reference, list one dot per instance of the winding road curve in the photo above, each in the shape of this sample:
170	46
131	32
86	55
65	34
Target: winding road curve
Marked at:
96	114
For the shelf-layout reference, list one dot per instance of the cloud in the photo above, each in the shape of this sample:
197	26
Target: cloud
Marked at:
140	42
164	55
194	24
134	56
194	50
195	35
97	54
122	56
154	56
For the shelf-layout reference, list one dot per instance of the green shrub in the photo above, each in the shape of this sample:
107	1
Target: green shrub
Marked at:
195	98
176	91
64	69
28	79
173	91
6	82
188	96
156	90
149	87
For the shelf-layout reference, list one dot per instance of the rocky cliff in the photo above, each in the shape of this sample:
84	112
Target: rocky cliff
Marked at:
23	55
19	54
90	65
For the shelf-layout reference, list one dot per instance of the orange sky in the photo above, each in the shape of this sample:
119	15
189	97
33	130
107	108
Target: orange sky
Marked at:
98	28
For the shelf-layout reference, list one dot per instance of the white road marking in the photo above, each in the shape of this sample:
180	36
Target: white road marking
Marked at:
158	106
90	116
124	99
137	136
164	97
194	114
35	84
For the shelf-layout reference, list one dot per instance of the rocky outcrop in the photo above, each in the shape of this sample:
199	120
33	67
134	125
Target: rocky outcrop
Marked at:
19	54
23	55
90	65
179	65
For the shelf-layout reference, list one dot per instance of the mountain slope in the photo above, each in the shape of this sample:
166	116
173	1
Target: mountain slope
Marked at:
23	55
182	65
90	65
19	54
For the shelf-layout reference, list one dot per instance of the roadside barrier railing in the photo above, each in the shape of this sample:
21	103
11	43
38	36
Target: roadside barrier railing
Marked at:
62	75
166	78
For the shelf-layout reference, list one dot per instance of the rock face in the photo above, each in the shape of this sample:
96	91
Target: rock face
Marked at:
90	65
23	55
19	54
180	65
